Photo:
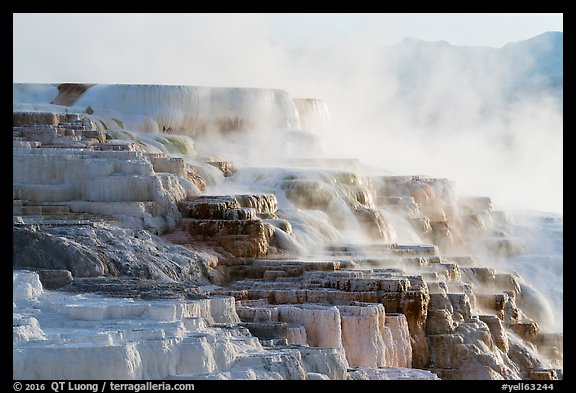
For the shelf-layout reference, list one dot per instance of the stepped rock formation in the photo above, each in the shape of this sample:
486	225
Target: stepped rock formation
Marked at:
148	243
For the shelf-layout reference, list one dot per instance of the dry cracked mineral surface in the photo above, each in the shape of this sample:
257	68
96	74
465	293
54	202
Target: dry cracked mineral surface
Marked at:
175	232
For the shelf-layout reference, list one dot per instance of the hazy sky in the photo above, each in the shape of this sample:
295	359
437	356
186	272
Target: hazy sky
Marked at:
47	44
459	29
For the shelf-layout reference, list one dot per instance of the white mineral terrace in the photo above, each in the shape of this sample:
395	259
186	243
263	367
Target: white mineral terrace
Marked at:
62	336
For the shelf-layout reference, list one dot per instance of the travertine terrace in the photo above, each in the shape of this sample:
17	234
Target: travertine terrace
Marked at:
194	233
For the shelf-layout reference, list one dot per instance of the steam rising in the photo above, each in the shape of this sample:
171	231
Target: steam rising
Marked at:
415	107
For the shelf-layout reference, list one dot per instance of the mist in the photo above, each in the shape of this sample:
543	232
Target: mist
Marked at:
410	108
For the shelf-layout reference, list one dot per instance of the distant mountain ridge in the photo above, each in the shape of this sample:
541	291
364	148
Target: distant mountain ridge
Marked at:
517	70
436	79
547	53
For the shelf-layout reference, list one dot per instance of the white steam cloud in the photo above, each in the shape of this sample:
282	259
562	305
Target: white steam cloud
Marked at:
443	116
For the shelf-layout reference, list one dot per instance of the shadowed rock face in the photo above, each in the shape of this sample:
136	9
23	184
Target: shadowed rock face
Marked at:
230	222
374	224
429	204
54	279
242	238
68	93
228	168
103	250
414	304
43	250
